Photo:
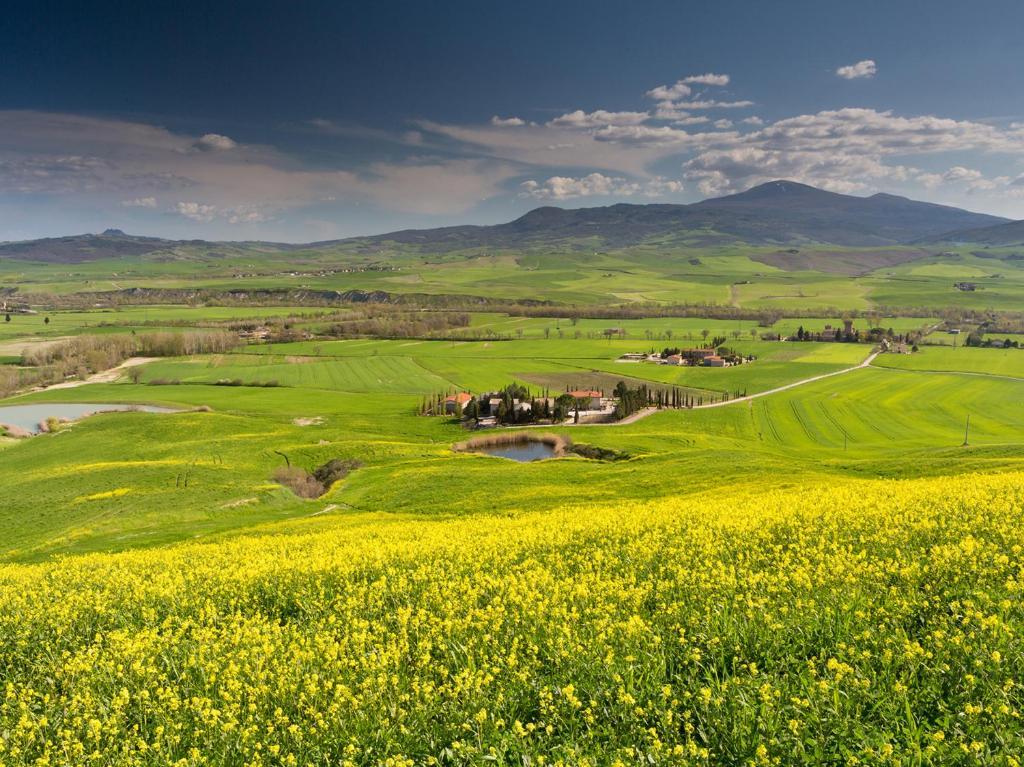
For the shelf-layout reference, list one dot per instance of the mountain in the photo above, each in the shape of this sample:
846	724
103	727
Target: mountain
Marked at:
1009	235
83	247
776	213
114	243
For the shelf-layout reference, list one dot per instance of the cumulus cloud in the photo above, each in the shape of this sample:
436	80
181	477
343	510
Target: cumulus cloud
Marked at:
865	68
140	202
214	142
507	122
712	104
723	124
597	185
205	213
960	173
641	134
707	79
673	92
753	120
598	118
196	211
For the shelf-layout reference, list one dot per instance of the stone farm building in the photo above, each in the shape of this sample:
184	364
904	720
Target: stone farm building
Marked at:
589	399
454	403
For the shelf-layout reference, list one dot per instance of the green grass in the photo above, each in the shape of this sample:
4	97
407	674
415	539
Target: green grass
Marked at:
128	469
579	273
964	359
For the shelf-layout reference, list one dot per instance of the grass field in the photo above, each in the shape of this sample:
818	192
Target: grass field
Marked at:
129	469
579	273
994	362
825	574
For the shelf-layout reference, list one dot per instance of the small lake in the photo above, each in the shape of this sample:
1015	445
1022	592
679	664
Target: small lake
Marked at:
28	417
524	452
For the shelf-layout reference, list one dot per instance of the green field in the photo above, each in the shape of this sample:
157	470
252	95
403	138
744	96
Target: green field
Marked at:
833	541
986	362
573	273
129	470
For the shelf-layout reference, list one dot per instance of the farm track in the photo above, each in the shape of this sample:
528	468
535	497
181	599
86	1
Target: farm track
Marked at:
866	363
750	397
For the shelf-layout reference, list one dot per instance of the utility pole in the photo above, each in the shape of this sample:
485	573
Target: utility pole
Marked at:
967	430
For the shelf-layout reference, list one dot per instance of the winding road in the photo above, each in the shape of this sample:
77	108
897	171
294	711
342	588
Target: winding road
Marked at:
870	358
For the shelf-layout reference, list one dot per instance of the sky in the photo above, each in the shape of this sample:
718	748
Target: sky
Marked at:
312	119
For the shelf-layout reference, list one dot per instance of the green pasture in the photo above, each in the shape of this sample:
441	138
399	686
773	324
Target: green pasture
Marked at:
963	359
580	273
119	480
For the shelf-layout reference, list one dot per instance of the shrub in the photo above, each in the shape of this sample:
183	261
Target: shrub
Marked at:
299	481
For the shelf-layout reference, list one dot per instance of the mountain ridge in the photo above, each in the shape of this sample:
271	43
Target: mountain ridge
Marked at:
774	213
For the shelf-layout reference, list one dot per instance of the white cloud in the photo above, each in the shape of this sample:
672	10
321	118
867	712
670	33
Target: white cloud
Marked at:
598	118
711	104
723	124
681	88
140	202
960	173
507	122
215	141
597	185
865	68
754	120
692	120
670	92
196	211
707	79
641	134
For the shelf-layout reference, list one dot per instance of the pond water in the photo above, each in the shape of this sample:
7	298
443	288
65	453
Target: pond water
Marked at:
28	417
523	452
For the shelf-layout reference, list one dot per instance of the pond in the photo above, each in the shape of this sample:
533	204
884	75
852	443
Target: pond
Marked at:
524	452
29	417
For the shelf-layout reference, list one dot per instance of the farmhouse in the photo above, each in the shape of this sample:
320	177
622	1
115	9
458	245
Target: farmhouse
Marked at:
698	354
453	403
715	361
589	399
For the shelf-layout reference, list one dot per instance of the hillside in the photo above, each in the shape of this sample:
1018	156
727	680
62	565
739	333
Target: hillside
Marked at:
776	213
779	212
1008	234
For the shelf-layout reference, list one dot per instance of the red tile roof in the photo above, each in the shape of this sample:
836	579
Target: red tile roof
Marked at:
584	393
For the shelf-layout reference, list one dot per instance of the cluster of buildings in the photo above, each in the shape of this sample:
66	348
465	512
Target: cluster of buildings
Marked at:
688	358
495	408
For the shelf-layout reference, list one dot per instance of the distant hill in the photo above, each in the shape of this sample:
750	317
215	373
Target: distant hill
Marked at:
1009	235
113	243
83	247
779	212
776	213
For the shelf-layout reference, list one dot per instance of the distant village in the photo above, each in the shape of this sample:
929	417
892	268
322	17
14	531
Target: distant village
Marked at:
710	358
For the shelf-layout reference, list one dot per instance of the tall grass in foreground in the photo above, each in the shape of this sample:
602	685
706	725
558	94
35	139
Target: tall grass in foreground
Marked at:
869	622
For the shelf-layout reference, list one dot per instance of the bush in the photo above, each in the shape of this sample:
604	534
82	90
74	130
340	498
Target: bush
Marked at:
312	485
299	481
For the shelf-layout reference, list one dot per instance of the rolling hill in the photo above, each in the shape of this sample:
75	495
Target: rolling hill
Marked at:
775	213
1001	235
778	212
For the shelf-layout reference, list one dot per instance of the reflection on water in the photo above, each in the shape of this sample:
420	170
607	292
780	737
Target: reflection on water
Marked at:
523	451
29	417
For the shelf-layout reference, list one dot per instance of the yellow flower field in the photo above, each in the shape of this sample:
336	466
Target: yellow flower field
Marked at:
867	622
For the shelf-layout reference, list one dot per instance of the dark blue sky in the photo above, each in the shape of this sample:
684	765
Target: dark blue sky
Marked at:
333	118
